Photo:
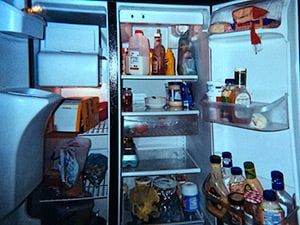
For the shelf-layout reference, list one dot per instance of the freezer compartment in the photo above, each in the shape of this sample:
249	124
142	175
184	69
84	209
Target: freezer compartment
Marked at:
160	125
258	116
245	15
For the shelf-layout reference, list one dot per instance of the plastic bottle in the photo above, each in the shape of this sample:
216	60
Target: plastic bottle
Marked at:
170	62
269	210
186	62
137	61
237	180
226	169
285	200
215	189
158	57
252	183
190	200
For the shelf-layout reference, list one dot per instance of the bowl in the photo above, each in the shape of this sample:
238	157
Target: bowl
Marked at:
155	102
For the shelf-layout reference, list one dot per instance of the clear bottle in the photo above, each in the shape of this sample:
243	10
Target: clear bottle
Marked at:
252	183
170	62
237	180
226	167
158	56
215	189
285	200
137	59
190	200
269	210
186	62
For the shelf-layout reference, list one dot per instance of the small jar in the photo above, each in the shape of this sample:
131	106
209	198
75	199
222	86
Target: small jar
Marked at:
236	202
252	201
169	205
175	99
126	99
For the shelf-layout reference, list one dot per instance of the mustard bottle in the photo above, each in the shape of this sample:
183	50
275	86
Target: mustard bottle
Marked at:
170	62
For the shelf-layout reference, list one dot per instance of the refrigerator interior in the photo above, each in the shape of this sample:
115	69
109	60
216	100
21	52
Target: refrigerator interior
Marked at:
72	60
272	80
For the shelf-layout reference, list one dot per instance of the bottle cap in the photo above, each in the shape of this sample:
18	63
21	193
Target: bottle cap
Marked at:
236	198
269	195
189	189
236	170
277	180
254	197
215	159
227	159
139	32
248	165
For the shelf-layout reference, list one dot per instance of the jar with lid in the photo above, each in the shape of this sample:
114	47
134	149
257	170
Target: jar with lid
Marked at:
126	99
174	90
270	211
237	180
252	201
236	202
169	204
190	200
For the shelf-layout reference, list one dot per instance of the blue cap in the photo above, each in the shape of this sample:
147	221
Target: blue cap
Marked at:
269	195
227	159
236	170
277	180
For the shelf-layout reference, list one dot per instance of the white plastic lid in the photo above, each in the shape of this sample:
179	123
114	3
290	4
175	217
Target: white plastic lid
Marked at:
189	189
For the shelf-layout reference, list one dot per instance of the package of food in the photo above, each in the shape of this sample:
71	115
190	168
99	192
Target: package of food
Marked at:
248	13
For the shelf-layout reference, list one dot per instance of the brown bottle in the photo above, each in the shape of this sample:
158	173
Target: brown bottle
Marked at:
158	57
215	189
252	183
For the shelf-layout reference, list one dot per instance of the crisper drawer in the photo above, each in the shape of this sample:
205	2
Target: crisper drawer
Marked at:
160	125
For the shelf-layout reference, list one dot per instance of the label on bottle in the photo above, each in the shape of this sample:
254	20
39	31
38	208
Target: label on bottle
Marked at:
190	203
271	217
214	203
237	186
138	65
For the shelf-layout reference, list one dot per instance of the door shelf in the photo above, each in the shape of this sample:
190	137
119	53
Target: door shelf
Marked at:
258	116
162	162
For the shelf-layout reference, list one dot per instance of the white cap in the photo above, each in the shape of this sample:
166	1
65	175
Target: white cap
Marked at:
189	189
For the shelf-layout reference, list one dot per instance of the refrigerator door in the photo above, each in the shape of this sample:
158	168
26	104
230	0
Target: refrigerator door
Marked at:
272	73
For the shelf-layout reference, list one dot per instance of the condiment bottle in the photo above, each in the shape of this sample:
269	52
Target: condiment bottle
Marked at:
137	59
226	167
158	56
215	189
252	183
236	203
237	180
270	211
126	99
240	96
170	62
186	62
252	201
285	200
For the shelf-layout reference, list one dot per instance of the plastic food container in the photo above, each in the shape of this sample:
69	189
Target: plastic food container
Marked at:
155	101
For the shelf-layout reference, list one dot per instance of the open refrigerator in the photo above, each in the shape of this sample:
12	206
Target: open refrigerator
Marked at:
178	143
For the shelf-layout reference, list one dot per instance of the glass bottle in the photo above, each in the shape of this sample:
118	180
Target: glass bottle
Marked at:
215	189
226	167
252	183
236	203
285	200
252	201
237	181
269	210
158	56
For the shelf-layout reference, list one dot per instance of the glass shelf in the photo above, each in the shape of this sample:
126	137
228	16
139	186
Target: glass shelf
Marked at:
160	77
166	163
258	116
